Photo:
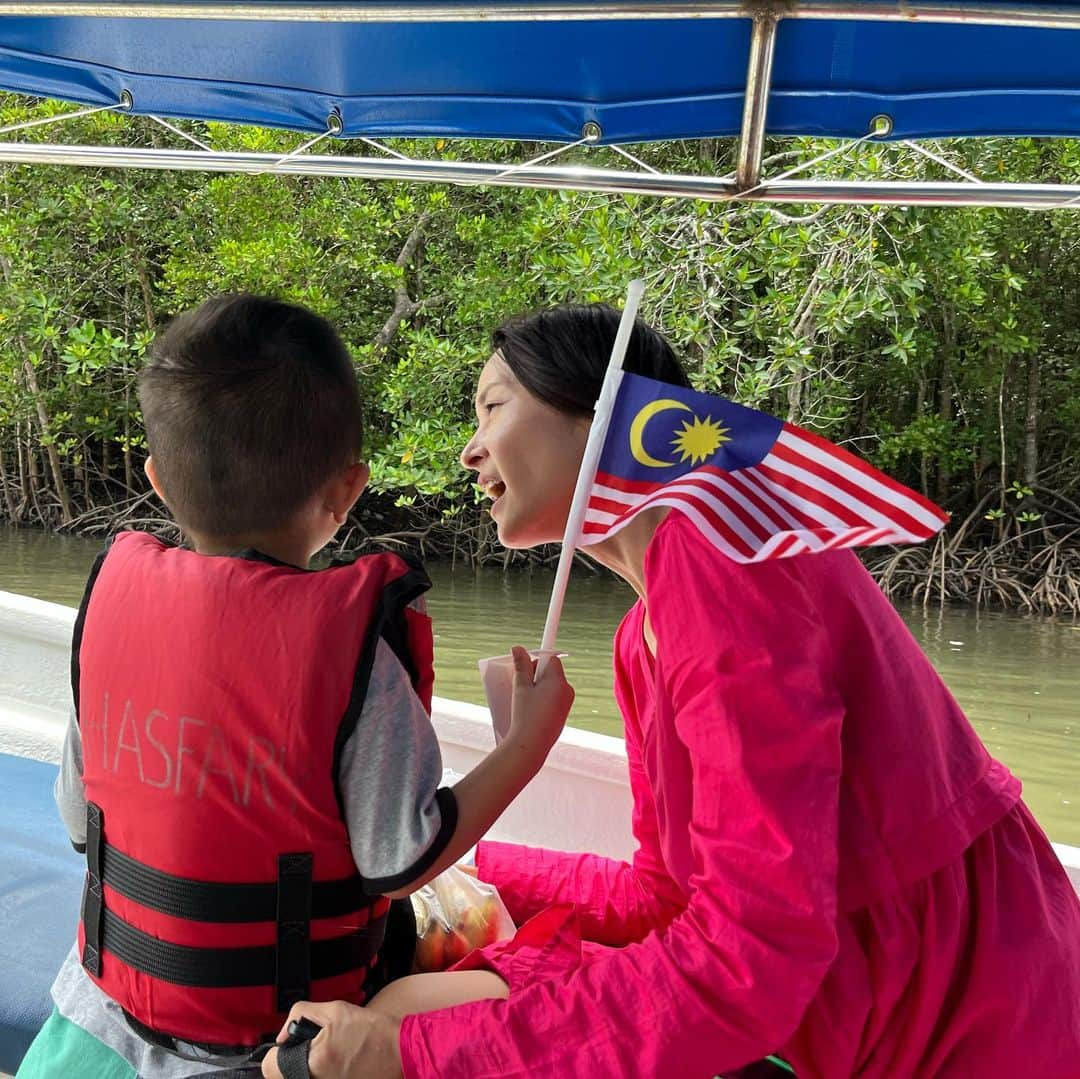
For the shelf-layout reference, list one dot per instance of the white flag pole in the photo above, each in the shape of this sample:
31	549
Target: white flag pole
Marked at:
587	473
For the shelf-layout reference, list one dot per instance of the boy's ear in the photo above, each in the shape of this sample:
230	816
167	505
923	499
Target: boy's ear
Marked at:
345	489
359	473
151	474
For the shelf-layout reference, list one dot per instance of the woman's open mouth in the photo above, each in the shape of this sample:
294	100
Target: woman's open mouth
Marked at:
494	489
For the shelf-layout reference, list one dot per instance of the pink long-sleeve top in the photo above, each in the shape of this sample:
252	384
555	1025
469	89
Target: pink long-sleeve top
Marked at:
796	766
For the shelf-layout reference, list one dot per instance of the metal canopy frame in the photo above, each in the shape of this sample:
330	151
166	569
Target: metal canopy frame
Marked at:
745	184
1004	13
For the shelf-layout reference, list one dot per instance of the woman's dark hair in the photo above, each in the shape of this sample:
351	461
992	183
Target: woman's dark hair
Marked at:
249	404
560	355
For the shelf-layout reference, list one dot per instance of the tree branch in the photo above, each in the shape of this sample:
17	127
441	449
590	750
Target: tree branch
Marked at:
404	305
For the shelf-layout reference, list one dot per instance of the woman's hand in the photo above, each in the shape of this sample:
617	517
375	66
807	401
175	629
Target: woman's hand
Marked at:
539	709
354	1043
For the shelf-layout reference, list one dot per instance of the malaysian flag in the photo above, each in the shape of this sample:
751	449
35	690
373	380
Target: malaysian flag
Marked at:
757	487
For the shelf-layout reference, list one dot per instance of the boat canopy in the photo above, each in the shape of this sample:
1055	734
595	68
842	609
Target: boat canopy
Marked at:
570	73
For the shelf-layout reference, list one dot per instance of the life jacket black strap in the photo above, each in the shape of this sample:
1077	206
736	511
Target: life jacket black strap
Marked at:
93	903
231	968
211	901
292	1056
293	1061
293	976
290	965
179	1047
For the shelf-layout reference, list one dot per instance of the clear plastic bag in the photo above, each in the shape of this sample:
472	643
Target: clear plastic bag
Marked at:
456	913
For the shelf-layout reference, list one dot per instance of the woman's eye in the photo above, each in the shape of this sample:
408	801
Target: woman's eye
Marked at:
489	405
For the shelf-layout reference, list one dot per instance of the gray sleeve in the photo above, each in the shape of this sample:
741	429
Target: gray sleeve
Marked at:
399	819
68	789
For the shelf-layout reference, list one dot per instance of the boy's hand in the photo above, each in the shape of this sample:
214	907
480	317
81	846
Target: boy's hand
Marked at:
539	709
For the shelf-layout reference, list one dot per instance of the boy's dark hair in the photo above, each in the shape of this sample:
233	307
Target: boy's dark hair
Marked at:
249	404
560	355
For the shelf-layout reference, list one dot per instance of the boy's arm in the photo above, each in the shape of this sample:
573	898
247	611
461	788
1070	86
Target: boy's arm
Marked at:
68	789
538	714
398	818
403	829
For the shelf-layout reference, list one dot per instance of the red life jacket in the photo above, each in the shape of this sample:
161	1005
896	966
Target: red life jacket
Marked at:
214	698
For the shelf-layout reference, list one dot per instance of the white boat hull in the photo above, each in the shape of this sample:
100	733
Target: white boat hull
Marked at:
579	801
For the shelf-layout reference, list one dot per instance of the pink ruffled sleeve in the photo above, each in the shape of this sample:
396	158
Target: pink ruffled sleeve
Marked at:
752	719
616	902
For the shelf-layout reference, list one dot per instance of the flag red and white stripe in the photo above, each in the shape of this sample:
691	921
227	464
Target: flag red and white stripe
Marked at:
806	495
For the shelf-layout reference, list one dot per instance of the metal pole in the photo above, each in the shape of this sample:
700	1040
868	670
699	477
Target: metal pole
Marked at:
910	193
606	181
1060	16
756	101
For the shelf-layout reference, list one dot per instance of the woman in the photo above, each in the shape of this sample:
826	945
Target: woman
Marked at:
830	865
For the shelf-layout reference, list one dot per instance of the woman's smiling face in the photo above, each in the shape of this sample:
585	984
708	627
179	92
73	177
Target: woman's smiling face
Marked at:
526	455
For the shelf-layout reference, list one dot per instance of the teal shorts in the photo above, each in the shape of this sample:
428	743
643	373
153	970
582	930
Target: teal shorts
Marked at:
62	1050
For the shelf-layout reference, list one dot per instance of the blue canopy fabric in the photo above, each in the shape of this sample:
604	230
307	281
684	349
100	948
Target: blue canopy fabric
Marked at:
638	80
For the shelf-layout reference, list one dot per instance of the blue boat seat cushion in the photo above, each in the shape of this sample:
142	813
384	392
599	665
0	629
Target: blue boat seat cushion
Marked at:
41	880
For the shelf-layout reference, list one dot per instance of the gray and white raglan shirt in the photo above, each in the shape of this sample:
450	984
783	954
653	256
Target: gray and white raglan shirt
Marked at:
389	772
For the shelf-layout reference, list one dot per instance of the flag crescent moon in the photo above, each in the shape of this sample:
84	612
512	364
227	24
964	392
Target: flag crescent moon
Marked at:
637	429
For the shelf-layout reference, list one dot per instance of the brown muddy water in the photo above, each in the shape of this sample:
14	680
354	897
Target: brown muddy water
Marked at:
1018	678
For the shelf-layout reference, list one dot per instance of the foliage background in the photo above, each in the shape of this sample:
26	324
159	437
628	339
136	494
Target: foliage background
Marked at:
939	343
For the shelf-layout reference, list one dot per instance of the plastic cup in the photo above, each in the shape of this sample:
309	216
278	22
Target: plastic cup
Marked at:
497	674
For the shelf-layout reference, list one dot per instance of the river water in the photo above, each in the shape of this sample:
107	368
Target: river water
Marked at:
1017	678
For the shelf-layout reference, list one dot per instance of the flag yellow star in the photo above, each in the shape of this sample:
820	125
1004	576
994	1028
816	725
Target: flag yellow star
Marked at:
700	439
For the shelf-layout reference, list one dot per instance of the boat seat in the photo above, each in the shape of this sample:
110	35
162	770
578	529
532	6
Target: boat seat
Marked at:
41	880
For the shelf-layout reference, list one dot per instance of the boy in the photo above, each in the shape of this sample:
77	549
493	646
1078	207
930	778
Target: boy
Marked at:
249	766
